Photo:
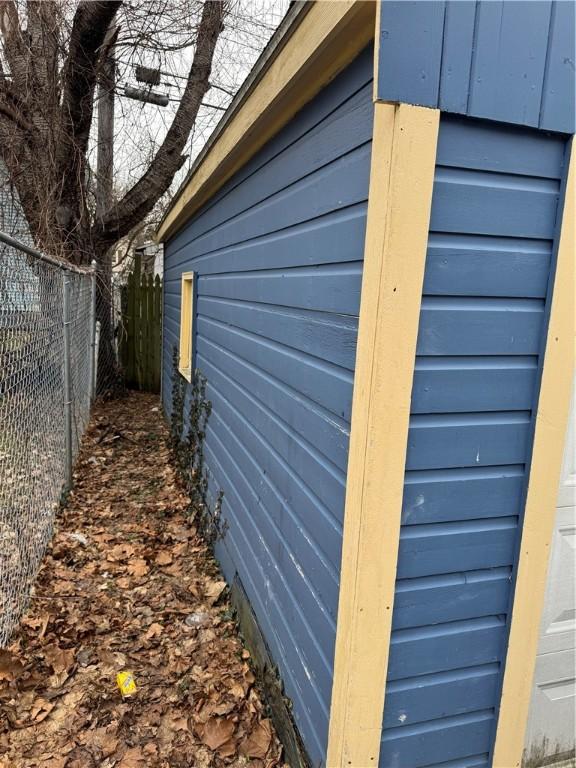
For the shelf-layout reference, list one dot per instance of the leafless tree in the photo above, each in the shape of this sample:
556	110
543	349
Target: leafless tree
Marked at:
52	57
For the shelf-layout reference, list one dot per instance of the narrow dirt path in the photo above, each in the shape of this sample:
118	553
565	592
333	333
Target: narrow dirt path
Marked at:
129	585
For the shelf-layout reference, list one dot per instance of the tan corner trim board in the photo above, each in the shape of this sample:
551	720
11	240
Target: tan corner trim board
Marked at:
376	50
329	36
540	509
401	181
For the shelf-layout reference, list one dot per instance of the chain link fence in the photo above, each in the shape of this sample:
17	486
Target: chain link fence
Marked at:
47	375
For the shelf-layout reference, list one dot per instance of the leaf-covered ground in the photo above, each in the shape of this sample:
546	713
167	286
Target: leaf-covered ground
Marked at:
129	584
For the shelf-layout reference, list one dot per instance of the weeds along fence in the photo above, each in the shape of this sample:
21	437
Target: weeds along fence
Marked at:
47	381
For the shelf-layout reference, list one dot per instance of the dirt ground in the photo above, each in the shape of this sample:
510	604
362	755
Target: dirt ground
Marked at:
129	585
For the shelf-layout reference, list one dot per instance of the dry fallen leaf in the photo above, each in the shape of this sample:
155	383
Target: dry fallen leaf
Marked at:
213	590
217	731
228	748
258	742
163	558
53	762
103	739
37	622
138	567
248	675
150	749
41	709
133	758
108	745
59	659
154	630
10	667
237	691
120	552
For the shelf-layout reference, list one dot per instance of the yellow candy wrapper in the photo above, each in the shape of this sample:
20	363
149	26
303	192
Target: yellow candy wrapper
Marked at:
126	684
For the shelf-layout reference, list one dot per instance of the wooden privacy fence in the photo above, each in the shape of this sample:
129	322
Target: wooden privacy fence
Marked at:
141	333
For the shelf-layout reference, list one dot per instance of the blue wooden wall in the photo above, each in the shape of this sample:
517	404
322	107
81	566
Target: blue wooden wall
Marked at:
278	256
480	342
512	61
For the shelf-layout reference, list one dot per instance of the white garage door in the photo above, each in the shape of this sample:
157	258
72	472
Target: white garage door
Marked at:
551	724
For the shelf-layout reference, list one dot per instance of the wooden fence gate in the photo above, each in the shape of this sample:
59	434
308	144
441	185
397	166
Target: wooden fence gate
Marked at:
141	332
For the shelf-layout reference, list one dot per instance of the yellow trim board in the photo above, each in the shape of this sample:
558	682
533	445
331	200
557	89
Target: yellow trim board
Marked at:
186	314
376	50
401	180
328	38
540	509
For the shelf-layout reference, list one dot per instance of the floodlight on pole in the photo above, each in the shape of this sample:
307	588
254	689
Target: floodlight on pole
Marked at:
146	95
147	75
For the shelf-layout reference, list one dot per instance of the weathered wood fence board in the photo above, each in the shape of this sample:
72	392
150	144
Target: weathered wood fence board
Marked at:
141	331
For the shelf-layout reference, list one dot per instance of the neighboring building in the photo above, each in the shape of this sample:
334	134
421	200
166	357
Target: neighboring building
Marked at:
159	262
376	279
22	291
12	218
152	255
552	721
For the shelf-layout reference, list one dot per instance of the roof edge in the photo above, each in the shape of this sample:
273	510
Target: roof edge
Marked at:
313	43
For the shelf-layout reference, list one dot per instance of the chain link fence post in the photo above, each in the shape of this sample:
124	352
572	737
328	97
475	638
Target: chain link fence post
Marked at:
93	351
67	383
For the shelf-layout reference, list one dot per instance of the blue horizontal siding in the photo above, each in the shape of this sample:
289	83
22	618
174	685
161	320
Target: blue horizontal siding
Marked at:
468	493
456	266
485	327
328	239
442	737
334	187
309	332
491	203
426	550
327	288
507	61
427	694
440	441
278	260
438	648
476	377
447	597
473	383
304	372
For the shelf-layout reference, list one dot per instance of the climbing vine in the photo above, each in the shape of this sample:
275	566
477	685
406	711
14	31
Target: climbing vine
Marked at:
177	413
187	440
195	476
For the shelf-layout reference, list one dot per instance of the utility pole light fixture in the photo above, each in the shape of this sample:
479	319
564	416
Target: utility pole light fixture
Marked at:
146	95
147	75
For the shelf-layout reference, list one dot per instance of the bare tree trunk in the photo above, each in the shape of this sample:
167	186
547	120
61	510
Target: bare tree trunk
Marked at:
105	158
109	374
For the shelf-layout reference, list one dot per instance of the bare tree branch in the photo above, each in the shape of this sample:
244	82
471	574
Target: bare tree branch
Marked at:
142	197
91	22
14	115
43	43
14	48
